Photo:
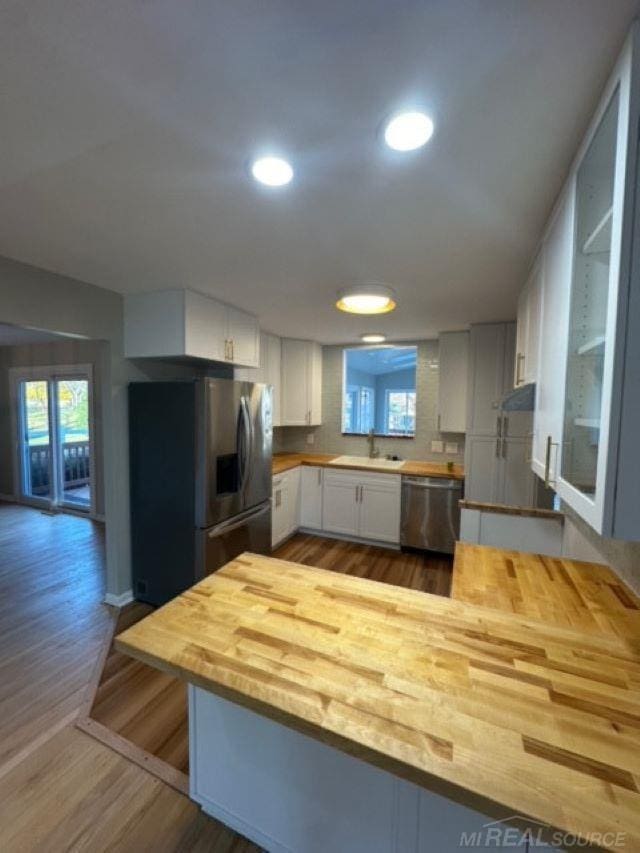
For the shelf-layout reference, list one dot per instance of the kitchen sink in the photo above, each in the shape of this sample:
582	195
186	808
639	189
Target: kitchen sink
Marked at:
366	462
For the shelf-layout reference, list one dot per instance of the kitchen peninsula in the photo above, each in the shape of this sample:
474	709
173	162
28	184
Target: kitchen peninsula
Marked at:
333	712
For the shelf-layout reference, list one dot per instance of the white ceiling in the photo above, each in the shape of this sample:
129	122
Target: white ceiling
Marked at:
127	127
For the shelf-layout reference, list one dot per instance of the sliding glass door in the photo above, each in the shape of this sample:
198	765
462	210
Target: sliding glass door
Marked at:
54	431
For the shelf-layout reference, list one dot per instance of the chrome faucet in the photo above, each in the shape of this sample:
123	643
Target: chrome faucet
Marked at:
371	441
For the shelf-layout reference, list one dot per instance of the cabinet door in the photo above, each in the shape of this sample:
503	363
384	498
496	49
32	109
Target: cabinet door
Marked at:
280	510
453	378
205	327
380	511
556	285
243	332
482	468
486	377
529	368
271	361
293	498
294	408
515	486
311	497
522	331
339	503
314	383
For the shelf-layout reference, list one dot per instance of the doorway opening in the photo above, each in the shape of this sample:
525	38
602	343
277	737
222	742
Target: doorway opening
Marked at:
53	424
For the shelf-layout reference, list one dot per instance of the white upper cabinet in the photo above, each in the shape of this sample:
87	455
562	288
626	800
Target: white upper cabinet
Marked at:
178	323
301	371
268	371
588	417
453	377
528	328
556	274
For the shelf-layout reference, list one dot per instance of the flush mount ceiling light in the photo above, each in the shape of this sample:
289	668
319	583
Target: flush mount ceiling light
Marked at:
408	131
272	171
373	338
371	298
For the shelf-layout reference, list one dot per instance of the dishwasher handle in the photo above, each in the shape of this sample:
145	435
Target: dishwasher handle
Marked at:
431	483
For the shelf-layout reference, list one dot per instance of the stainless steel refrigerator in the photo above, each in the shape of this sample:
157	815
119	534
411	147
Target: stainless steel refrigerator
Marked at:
200	480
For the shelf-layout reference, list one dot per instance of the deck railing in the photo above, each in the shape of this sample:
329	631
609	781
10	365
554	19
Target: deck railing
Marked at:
77	465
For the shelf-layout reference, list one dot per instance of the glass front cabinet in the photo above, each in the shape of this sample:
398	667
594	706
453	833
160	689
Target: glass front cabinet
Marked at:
595	459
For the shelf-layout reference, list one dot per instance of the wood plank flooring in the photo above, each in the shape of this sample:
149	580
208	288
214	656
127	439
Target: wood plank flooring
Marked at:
60	789
425	572
142	704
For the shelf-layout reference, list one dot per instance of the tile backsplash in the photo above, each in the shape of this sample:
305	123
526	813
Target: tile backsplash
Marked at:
328	438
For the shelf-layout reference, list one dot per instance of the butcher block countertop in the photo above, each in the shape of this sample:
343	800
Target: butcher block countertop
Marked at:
589	597
491	708
286	461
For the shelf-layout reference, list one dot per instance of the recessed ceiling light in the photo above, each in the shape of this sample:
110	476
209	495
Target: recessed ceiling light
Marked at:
372	338
272	171
408	131
371	298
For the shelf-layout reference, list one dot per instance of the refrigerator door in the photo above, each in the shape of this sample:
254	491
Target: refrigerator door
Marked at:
234	449
249	531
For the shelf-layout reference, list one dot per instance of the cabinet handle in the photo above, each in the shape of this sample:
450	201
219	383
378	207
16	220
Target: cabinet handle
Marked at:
499	426
547	463
504	449
498	443
232	348
519	362
505	427
439	420
278	498
319	476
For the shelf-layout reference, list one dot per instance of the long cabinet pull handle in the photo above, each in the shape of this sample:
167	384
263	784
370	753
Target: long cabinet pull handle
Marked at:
547	462
504	449
519	362
499	426
319	476
505	427
498	442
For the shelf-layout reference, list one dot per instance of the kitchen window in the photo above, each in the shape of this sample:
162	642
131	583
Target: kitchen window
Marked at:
379	391
400	412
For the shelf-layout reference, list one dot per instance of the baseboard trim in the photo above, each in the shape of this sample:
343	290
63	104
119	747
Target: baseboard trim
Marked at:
327	534
119	600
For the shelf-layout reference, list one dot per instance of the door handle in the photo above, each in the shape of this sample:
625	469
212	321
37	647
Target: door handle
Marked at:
519	361
239	521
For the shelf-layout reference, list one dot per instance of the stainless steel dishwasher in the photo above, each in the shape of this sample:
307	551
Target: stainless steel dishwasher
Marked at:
430	513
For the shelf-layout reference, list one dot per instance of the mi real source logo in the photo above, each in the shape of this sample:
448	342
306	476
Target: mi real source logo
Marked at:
532	835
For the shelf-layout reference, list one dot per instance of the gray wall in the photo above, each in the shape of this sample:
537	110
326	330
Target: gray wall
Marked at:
328	438
36	298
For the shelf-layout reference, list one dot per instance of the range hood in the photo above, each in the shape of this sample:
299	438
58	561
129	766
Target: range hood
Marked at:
521	399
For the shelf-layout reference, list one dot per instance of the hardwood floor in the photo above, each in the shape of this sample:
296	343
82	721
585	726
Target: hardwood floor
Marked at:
60	789
142	704
425	572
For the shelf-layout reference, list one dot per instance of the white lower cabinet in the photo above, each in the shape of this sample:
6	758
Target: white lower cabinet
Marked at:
349	503
285	508
362	505
340	509
311	482
498	470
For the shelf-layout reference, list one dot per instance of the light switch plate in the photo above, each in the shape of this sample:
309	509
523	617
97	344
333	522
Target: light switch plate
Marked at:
451	447
437	447
311	438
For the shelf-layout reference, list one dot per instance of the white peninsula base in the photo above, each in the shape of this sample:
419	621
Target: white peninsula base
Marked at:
291	794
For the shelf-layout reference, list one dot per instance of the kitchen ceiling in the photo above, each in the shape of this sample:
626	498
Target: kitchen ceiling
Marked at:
129	127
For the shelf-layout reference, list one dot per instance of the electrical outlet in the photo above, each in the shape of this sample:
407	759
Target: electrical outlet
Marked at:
451	447
311	438
437	447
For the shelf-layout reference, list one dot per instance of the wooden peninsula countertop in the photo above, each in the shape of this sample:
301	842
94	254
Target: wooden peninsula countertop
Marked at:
484	706
286	461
